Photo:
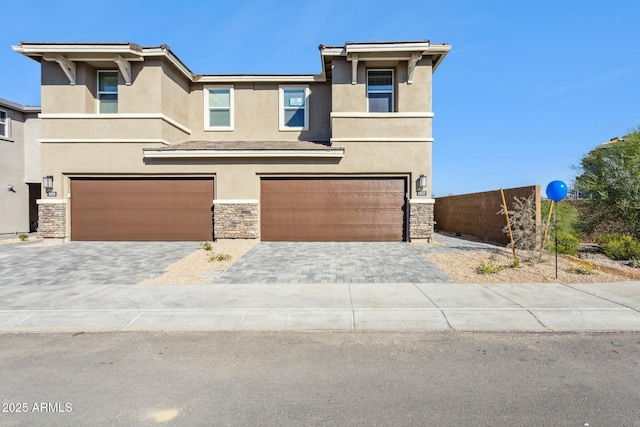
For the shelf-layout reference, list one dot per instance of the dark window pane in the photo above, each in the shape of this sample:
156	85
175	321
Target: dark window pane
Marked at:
380	80
108	82
294	118
380	103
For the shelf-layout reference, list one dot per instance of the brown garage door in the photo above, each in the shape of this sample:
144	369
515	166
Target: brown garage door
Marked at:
332	209
141	209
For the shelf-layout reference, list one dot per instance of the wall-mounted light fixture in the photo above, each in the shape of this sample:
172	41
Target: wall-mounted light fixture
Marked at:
47	183
10	188
421	185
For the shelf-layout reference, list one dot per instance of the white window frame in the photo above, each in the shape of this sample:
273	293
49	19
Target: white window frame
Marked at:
393	90
207	108
281	108
99	92
5	121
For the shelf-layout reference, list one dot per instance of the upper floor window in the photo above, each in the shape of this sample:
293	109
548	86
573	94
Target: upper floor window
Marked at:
380	91
107	92
294	108
4	124
218	104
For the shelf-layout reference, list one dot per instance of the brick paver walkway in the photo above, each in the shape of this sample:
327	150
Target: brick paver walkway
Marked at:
333	262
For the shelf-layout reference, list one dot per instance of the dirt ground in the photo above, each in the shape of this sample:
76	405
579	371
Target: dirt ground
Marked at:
463	267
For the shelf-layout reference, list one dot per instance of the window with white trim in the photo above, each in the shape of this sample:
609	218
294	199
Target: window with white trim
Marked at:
380	91
294	108
218	105
107	92
4	124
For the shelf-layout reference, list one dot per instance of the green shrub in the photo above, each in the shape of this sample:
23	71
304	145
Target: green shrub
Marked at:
489	268
605	238
23	237
219	257
620	247
567	216
586	269
207	246
567	244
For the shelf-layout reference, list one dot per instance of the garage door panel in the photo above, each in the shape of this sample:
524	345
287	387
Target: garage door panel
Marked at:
142	233
140	200
337	233
337	216
141	209
155	185
334	209
142	216
355	200
334	186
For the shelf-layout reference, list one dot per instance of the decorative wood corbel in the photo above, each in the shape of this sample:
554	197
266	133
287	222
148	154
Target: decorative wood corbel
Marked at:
69	68
354	69
411	66
125	68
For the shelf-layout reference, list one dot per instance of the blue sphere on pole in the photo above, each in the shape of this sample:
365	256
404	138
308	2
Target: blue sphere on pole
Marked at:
556	190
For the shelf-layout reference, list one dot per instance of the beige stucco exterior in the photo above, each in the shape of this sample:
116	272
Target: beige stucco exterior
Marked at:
19	166
163	104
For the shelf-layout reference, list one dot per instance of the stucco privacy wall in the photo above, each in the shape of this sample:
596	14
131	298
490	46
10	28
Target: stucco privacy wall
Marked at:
476	215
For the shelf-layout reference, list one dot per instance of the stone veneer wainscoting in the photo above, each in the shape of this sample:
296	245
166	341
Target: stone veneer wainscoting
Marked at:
421	219
235	219
52	219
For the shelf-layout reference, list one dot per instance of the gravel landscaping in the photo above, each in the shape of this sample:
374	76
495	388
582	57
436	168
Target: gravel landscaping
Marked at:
196	267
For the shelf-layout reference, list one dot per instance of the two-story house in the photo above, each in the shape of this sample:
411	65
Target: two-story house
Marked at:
19	167
141	148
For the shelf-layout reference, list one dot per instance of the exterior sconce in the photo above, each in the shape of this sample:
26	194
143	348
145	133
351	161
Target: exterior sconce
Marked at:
421	185
47	183
10	188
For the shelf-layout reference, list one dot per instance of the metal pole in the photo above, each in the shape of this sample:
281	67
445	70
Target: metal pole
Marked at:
555	218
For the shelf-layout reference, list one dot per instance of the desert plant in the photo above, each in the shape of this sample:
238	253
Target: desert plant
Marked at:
525	229
620	247
610	177
219	257
586	269
567	216
207	246
489	268
567	244
23	237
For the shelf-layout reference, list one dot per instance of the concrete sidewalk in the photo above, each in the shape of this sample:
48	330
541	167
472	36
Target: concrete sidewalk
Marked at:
343	307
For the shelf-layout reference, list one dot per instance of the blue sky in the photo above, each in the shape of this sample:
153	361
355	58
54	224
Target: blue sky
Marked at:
528	88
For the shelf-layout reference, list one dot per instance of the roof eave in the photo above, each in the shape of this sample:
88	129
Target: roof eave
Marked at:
267	153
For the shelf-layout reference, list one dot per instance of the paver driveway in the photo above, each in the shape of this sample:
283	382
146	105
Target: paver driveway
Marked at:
333	262
88	262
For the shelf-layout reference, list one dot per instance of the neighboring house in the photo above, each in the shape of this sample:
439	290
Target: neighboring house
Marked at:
19	167
141	148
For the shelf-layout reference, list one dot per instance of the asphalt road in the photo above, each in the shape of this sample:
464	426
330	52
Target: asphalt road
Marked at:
333	378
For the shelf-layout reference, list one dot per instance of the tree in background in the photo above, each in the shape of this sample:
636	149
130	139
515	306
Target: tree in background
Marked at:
611	180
